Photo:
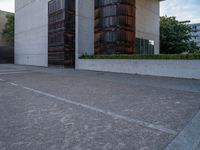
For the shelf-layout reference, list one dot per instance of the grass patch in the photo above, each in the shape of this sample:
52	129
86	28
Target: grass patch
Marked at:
136	56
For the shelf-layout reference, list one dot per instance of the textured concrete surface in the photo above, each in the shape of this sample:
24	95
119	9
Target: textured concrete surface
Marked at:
189	138
168	68
31	32
84	28
148	21
59	109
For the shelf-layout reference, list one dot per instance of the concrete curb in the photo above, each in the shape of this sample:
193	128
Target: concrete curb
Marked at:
189	138
166	68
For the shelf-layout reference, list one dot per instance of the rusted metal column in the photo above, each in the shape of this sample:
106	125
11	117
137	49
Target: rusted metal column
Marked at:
61	33
115	26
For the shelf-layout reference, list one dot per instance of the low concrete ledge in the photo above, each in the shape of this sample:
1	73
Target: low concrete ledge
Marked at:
168	68
189	138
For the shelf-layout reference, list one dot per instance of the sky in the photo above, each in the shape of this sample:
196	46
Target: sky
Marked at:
182	9
7	5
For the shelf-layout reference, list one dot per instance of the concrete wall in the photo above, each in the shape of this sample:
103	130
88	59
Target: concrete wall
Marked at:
84	28
168	68
31	32
2	25
148	21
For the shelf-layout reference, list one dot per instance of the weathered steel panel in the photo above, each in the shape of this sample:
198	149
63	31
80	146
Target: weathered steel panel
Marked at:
61	32
114	26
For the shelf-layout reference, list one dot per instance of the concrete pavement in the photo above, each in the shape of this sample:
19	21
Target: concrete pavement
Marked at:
65	109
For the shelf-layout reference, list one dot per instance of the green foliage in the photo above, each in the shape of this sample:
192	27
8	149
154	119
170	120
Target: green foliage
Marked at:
134	56
8	32
193	48
175	37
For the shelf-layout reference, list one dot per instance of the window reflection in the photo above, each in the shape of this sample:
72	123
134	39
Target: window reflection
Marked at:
144	46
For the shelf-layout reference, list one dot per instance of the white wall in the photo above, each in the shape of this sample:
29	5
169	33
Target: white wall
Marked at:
31	32
148	21
168	68
84	28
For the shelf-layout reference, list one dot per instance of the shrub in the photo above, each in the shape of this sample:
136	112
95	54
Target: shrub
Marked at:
136	56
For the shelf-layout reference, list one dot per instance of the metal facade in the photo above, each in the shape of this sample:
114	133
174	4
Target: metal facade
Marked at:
61	39
115	26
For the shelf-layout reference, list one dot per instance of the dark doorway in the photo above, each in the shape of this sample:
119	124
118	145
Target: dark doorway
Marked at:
6	55
61	34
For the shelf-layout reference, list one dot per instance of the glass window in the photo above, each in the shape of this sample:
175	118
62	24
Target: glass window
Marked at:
144	46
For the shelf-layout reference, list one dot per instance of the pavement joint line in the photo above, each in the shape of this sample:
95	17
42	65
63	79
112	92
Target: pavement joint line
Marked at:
112	114
188	138
17	72
7	70
13	84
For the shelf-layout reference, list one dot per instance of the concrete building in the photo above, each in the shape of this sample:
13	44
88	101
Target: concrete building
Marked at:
196	33
31	28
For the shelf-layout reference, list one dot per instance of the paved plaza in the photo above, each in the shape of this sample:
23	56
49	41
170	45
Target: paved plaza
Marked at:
65	109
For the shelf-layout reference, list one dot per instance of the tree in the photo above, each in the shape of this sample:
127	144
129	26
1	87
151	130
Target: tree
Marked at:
8	32
193	48
175	37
